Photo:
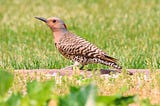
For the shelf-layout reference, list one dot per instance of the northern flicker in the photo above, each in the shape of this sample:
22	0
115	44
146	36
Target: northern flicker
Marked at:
76	48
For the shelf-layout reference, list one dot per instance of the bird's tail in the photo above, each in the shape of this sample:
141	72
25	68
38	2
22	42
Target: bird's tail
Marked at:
112	64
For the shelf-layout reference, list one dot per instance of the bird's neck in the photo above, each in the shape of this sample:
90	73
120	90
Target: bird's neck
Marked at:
58	34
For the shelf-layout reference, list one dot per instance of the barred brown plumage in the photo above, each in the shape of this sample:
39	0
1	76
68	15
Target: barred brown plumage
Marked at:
75	48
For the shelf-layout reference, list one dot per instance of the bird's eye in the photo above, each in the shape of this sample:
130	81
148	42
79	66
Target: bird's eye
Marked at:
54	21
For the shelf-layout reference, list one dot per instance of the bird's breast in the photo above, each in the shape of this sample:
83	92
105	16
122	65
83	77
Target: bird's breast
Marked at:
60	49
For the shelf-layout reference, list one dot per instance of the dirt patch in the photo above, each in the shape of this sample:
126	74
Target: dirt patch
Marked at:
53	72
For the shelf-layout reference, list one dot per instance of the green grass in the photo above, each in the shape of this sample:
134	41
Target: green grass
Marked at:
126	29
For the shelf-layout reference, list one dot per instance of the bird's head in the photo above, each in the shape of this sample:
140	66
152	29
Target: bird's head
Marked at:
54	23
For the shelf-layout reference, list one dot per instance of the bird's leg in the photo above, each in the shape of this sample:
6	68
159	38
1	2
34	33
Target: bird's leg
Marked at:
81	68
71	66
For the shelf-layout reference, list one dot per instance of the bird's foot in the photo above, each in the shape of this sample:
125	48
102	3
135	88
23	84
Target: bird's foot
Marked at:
71	67
81	68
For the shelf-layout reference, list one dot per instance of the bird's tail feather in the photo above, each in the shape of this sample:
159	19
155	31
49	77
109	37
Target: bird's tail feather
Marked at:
109	63
111	59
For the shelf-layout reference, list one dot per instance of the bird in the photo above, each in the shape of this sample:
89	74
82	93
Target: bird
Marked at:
75	48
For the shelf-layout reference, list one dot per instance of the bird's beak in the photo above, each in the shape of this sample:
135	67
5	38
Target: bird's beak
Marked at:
42	19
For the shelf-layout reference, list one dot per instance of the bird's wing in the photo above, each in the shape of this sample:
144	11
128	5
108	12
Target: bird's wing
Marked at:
74	45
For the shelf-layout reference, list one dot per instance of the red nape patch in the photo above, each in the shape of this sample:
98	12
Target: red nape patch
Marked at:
65	26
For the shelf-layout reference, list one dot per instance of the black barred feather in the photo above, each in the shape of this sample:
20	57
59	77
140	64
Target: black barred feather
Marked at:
77	49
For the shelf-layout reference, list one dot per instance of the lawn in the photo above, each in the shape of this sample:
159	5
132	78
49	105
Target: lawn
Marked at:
128	30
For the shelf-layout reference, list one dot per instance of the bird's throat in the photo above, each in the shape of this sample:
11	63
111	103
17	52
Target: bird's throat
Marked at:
58	35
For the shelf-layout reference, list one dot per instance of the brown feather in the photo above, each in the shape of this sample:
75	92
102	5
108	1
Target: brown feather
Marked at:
111	59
